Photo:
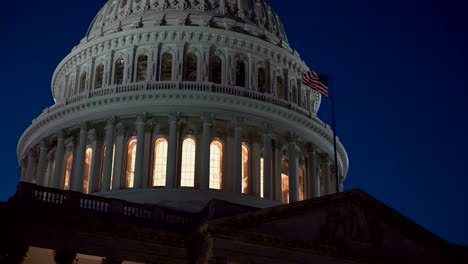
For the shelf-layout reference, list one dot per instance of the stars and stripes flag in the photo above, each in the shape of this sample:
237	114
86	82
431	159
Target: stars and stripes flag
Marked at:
316	82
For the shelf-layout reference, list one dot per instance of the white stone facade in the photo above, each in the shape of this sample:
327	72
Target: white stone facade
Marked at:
231	78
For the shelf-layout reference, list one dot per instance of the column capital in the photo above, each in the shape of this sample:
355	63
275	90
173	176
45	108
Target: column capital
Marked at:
31	153
173	117
119	129
149	124
110	122
83	126
61	134
268	129
207	117
292	138
44	143
237	122
141	117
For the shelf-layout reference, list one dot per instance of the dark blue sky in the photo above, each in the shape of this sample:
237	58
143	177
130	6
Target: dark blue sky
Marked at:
400	77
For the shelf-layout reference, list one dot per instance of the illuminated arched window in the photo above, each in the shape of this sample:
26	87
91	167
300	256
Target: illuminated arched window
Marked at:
245	169
131	155
261	80
284	181
216	69
301	184
82	82
187	170
142	66
68	170
240	73
216	165
104	151
119	71
262	176
280	87
99	76
191	67
160	162
166	67
87	170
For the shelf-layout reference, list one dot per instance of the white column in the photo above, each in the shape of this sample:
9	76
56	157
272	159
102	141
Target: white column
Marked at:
205	163
293	170
50	174
107	171
312	177
96	160
78	172
140	125
278	180
147	154
59	159
255	158
237	157
327	176
267	164
40	175
172	152
119	154
30	170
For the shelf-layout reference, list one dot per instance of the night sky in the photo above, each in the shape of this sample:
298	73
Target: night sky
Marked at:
400	78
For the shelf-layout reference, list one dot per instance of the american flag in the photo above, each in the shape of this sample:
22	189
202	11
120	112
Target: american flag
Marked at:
316	82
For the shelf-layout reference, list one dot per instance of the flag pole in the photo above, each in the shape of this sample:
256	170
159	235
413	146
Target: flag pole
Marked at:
332	98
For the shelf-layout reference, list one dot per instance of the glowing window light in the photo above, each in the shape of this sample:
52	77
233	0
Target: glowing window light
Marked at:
245	169
160	162
87	170
187	172
130	173
216	163
68	168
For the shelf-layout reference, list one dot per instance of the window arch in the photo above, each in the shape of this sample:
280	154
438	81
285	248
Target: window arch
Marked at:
187	170
216	164
119	71
216	69
87	170
131	155
160	162
284	181
279	87
99	76
142	67
68	171
240	73
245	168
261	81
191	67
82	82
166	66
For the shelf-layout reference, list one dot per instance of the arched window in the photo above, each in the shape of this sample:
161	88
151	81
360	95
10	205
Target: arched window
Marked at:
99	76
279	87
87	170
187	170
104	151
142	66
82	82
240	73
68	170
166	67
216	69
245	169
284	181
160	162
294	94
119	71
191	74
216	165
301	184
131	155
261	80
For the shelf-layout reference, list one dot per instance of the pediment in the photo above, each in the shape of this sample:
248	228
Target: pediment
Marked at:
352	220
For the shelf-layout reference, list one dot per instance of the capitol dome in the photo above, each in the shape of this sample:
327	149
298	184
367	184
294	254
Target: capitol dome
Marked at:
177	102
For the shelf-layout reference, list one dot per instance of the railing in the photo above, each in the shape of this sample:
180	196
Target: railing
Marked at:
189	86
33	195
